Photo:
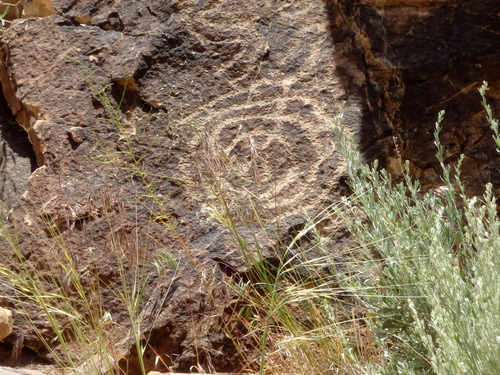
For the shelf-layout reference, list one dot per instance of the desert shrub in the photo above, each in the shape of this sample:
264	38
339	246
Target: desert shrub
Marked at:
431	273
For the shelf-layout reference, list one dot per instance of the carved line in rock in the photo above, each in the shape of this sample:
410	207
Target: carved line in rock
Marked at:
237	126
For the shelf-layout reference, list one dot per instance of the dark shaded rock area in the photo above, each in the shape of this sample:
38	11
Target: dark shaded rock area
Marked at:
415	58
17	159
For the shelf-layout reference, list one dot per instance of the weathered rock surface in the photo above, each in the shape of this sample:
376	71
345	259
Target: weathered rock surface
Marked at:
13	371
5	323
234	95
17	159
416	58
254	81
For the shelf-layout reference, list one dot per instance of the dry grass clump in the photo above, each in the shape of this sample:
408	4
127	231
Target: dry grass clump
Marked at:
288	313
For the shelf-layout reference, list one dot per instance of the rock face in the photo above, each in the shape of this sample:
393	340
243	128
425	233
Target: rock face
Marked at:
5	323
141	115
234	95
17	159
12	371
416	58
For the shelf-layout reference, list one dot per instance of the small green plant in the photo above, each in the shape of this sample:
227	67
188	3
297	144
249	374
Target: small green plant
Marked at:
3	20
431	277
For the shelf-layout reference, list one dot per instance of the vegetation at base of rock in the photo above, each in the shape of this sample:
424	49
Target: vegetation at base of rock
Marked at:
427	286
423	298
290	308
79	334
430	277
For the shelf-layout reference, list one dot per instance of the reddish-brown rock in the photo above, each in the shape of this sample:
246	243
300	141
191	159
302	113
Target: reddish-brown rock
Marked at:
5	323
237	95
418	59
254	81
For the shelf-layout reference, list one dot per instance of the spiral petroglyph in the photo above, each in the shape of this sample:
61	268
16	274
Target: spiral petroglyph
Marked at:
238	96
